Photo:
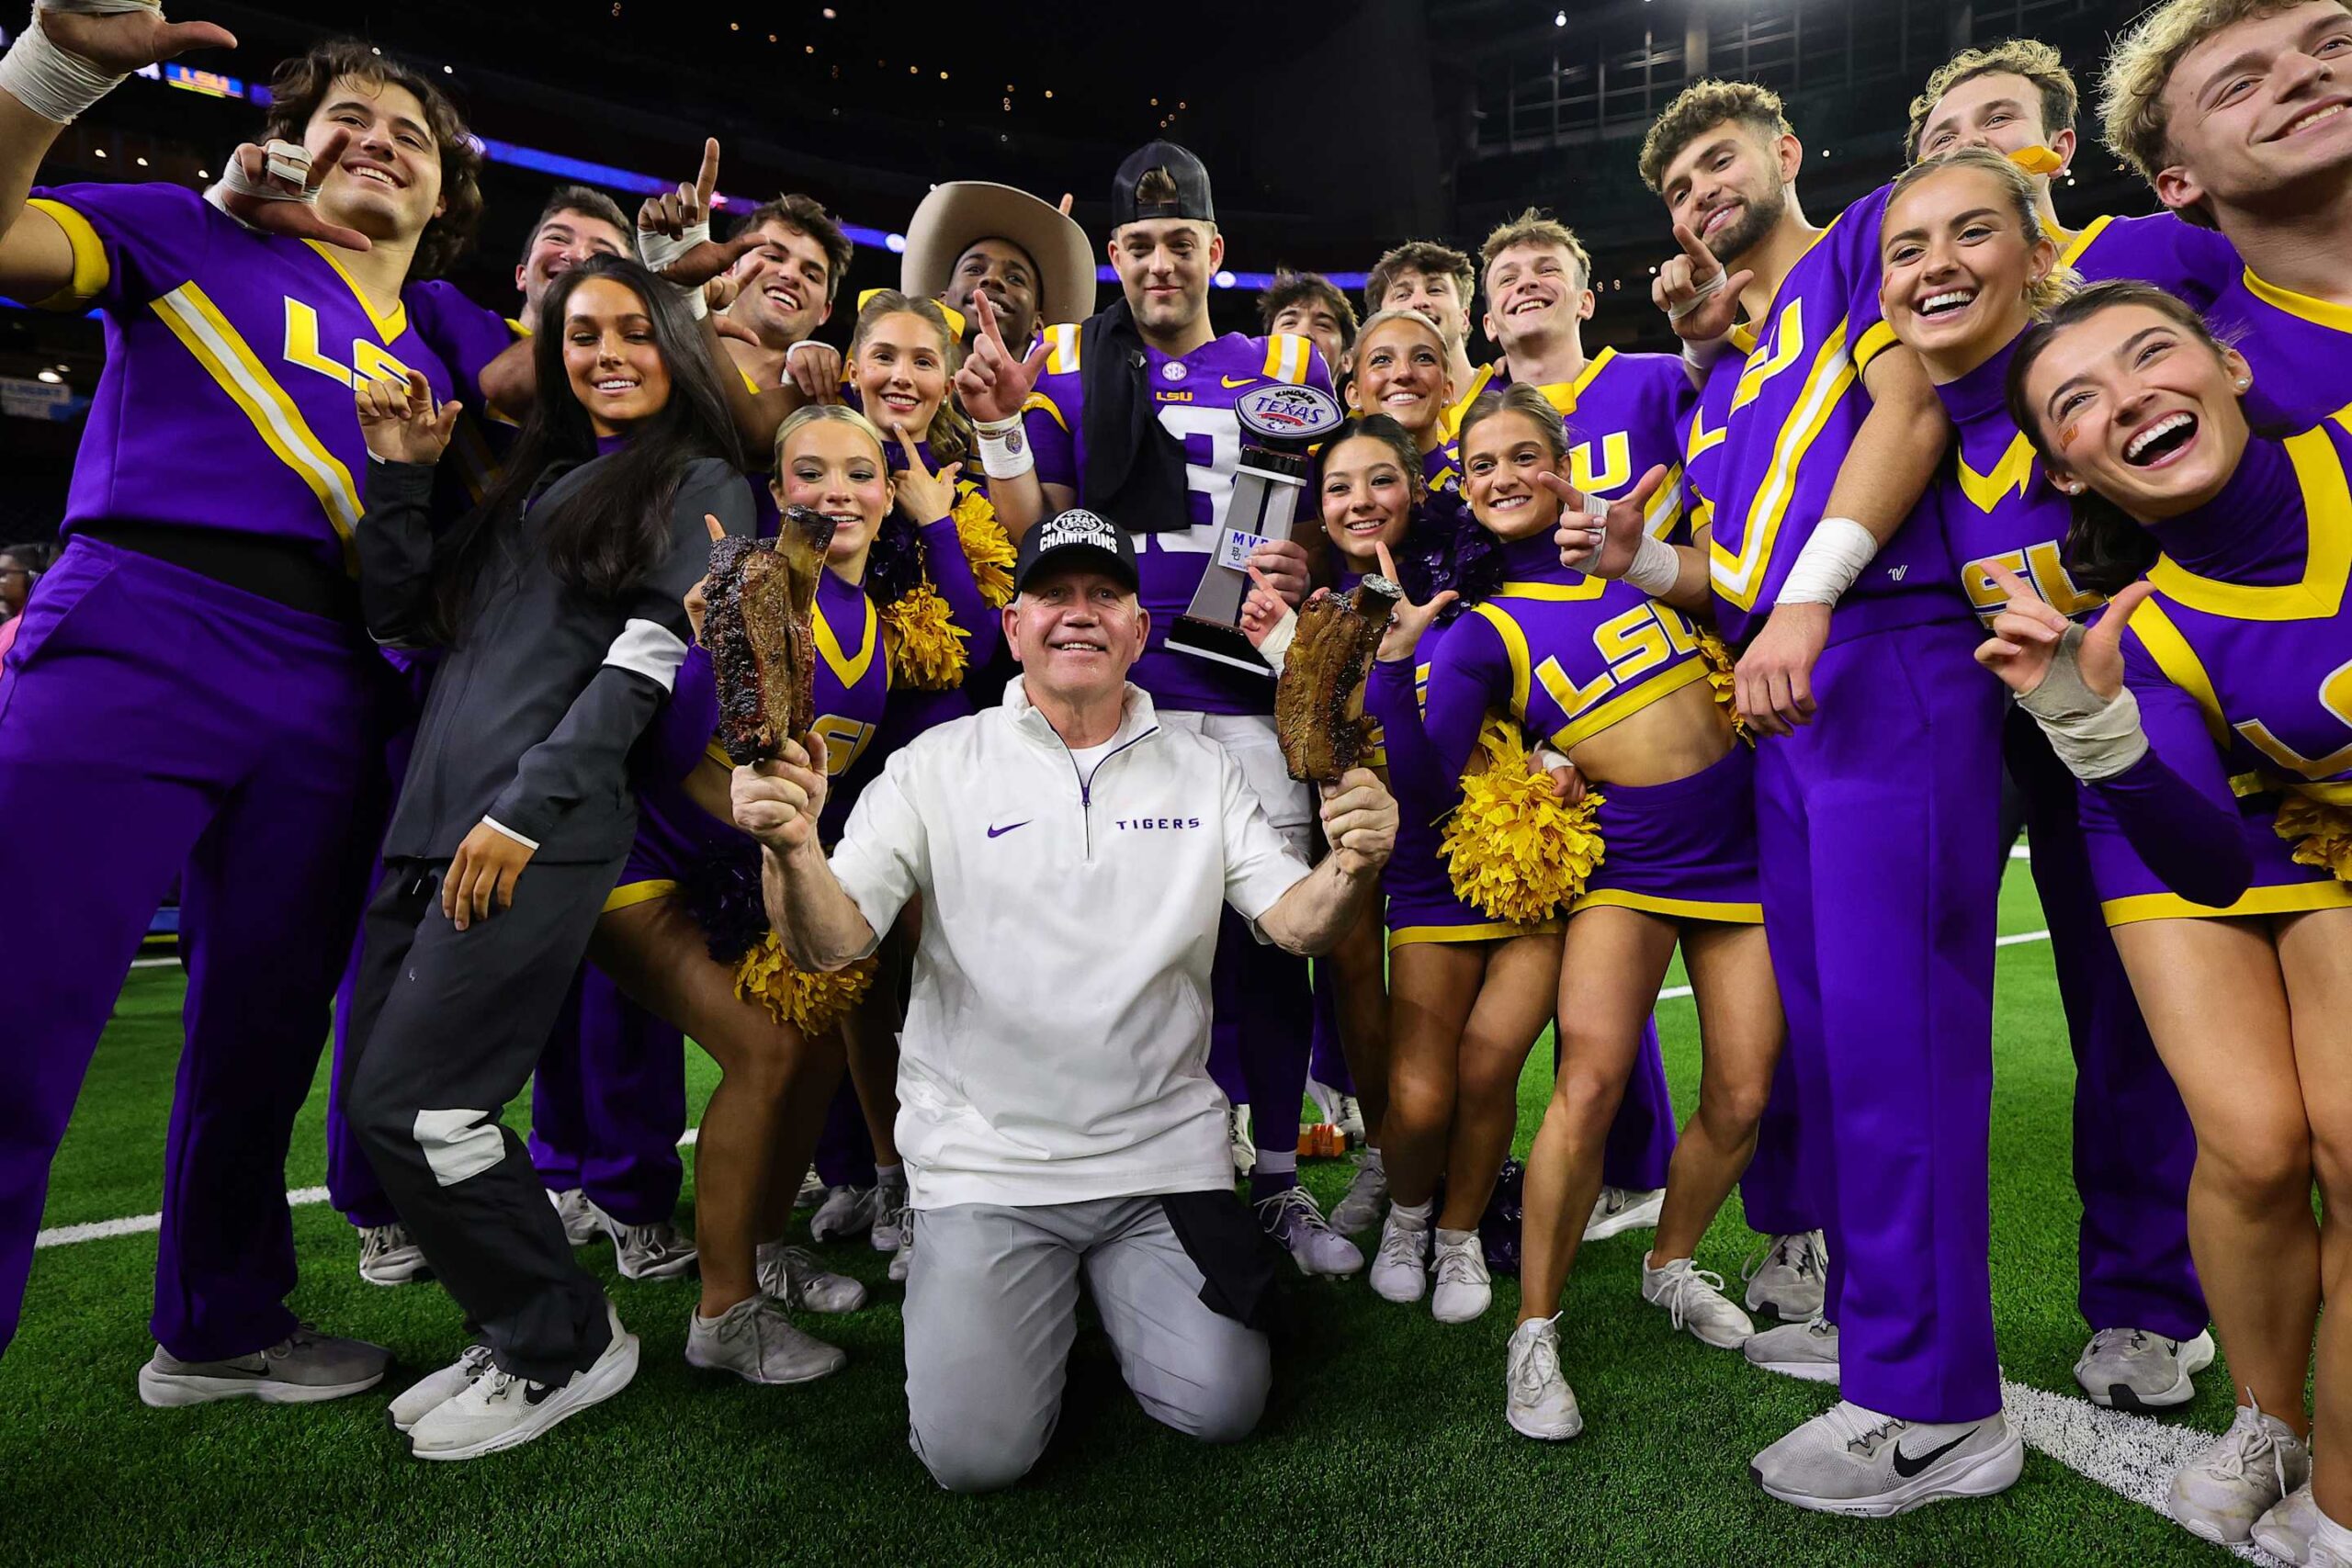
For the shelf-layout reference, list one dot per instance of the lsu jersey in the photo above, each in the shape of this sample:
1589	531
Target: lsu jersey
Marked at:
1623	414
1193	396
1997	504
467	337
2301	349
231	356
2184	261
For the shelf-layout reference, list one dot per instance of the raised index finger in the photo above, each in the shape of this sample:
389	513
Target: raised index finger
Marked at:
707	180
906	446
329	155
1696	248
988	321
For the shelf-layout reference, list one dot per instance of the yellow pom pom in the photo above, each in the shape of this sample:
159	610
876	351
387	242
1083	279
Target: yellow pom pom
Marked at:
1511	850
2325	831
925	644
986	546
812	1003
1722	681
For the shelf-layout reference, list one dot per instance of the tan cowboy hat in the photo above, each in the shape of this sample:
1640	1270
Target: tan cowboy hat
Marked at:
956	214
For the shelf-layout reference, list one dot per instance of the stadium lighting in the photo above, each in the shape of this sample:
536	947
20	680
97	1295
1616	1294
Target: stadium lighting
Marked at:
1559	19
50	378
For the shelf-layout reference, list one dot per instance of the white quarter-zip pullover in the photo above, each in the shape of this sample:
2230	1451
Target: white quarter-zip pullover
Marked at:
1057	1046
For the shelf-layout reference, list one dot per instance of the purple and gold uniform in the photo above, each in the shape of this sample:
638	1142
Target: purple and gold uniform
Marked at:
2184	261
2238	662
156	720
1882	923
2133	1145
2301	349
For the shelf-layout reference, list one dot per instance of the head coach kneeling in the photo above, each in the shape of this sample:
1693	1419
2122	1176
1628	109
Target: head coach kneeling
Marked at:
1055	1110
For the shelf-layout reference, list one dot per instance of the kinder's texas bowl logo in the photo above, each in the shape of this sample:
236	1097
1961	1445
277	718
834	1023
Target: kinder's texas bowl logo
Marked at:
1285	413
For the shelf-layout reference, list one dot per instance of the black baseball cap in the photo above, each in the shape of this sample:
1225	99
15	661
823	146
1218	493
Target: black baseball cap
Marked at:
1080	538
1191	178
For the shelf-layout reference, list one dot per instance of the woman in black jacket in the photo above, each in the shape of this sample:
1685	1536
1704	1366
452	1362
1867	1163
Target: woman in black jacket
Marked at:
559	605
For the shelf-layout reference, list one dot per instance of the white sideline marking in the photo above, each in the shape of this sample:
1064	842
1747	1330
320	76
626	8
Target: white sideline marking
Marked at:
1674	993
153	962
2019	851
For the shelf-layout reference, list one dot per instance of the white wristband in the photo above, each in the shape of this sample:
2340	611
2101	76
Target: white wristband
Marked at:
2095	736
1831	559
1699	356
1276	650
1658	567
1005	455
55	83
496	826
657	250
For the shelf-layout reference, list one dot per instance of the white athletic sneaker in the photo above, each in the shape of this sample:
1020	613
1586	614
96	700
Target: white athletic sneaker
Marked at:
301	1368
390	1255
1290	1217
1350	1119
583	1221
1539	1402
845	1212
793	1276
2130	1369
1620	1209
1807	1350
1464	1288
1851	1461
902	1261
1326	1099
1358	1208
1244	1141
421	1397
649	1252
2330	1543
812	1192
499	1410
1694	1300
2286	1530
1793	1277
755	1341
1400	1268
890	1232
2219	1494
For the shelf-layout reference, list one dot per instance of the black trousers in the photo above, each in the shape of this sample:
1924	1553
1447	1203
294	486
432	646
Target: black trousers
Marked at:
446	1026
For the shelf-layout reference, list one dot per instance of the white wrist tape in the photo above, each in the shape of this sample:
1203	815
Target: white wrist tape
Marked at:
284	164
2095	736
1831	559
1005	453
657	250
1700	295
1276	650
1547	756
55	83
1658	567
1699	356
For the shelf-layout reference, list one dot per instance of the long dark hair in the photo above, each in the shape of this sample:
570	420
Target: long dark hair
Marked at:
1444	546
606	539
2106	548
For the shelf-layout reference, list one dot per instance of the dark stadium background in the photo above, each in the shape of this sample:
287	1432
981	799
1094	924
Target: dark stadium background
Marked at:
1332	130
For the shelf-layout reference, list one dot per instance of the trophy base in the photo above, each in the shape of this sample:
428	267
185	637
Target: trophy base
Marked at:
1215	642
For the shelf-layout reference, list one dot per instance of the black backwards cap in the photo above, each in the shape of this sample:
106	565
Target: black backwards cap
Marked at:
1191	178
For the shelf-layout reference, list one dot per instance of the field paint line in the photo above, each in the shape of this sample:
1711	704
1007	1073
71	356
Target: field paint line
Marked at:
2019	851
153	962
1675	993
2131	1455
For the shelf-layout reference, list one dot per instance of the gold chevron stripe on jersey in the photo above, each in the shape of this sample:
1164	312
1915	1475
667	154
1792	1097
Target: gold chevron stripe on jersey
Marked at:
2328	555
1740	577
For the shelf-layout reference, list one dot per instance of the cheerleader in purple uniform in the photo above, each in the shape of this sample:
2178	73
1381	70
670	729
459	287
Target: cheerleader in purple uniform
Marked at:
2209	713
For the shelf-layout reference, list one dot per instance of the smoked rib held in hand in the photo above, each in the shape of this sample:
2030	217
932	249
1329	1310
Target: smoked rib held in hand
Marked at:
761	630
1318	702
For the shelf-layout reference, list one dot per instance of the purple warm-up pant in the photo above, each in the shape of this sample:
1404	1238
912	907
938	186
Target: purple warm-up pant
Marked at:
155	722
1876	838
608	1103
2134	1144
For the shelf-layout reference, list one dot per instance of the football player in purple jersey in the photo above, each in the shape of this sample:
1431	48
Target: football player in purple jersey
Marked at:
192	693
2233	110
2210	715
1306	304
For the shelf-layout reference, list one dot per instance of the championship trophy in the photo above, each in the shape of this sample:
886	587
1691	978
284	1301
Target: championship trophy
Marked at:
1279	422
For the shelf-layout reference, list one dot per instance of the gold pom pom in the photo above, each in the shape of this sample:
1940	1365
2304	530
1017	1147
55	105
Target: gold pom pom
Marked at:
1721	680
812	1003
925	644
2326	832
986	546
1511	850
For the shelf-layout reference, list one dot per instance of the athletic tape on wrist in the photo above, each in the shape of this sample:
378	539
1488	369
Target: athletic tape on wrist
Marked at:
54	82
1658	567
2095	736
1831	559
1005	456
1276	650
1700	294
657	250
996	426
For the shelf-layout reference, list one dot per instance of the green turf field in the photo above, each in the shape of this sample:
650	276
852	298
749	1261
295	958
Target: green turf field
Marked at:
1383	1442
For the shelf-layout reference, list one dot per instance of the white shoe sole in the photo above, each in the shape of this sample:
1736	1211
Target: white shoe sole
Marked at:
841	1359
1980	1475
1402	1294
407	1274
1787	1308
1724	1338
1528	1427
2286	1547
2196	1355
1642	1217
613	1372
1455	1315
1803	1371
176	1391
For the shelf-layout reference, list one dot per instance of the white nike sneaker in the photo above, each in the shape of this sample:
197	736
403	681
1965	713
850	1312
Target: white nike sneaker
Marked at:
1290	1217
1539	1401
793	1276
812	1192
420	1398
1793	1277
649	1252
2286	1530
301	1368
1464	1288
845	1212
390	1255
1244	1141
583	1221
1350	1119
1806	1351
1358	1208
2129	1370
2218	1495
1400	1268
1694	1300
1851	1461
755	1341
1326	1099
499	1411
1620	1209
890	1232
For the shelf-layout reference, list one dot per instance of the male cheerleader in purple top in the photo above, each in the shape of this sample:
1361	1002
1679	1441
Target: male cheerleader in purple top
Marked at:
1877	775
192	692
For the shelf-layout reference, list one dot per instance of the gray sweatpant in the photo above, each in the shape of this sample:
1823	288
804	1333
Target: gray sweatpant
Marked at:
992	1308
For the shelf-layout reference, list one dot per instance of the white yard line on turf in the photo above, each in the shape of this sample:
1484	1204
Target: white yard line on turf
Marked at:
1673	993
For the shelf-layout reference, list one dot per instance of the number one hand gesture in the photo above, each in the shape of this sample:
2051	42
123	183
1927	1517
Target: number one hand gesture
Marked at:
1700	302
1410	620
993	385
